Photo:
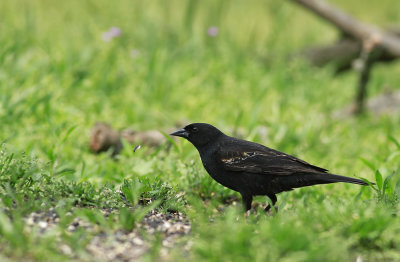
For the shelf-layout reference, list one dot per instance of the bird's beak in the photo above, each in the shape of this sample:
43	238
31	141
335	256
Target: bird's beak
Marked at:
181	132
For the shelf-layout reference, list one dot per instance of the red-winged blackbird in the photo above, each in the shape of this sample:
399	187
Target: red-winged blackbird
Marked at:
253	169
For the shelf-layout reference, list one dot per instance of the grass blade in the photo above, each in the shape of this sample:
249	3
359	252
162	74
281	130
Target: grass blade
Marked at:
169	138
368	164
378	178
394	140
69	131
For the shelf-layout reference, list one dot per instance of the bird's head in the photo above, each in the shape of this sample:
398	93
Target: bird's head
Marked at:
199	134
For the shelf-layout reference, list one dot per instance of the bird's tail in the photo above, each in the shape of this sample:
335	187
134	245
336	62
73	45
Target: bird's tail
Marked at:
328	178
287	183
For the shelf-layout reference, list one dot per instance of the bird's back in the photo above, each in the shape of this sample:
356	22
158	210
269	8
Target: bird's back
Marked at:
247	166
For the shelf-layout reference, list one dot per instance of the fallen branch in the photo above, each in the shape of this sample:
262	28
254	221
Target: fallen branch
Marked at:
353	27
343	53
363	65
374	43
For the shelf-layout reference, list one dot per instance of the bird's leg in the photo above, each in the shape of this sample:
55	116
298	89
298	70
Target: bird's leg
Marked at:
273	199
247	199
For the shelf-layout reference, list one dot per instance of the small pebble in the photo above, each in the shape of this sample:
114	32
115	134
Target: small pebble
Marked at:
43	224
66	250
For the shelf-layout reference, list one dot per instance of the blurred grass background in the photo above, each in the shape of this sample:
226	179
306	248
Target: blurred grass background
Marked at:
58	77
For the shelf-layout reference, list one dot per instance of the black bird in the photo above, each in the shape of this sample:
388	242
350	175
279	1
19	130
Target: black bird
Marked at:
253	169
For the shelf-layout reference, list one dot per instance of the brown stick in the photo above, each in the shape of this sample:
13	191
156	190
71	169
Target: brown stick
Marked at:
370	51
365	72
351	26
343	52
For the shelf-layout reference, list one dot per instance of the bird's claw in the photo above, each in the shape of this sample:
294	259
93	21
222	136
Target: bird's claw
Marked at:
268	208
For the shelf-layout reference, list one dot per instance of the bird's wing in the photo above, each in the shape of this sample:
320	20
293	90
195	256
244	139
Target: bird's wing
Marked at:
245	156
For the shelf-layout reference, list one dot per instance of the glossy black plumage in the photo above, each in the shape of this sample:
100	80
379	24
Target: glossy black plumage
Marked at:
253	169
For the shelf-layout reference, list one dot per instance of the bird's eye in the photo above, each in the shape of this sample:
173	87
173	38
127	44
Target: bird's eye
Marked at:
195	129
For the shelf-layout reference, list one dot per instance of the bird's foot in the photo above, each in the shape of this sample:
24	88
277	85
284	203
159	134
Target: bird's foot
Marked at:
269	211
249	212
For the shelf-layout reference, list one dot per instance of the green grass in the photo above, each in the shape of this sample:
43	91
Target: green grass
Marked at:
58	77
